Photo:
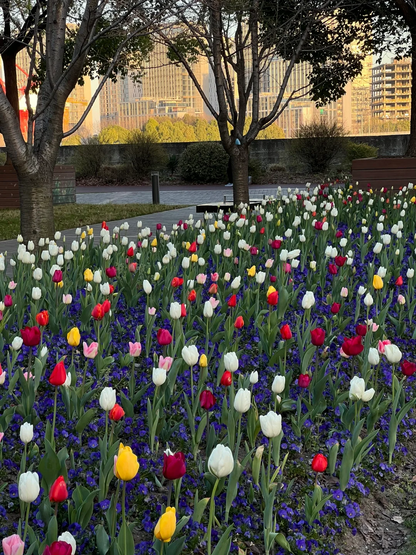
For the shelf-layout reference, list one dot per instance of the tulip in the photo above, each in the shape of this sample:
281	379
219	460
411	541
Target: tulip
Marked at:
17	343
57	276
159	376
58	375
357	390
30	336
317	337
175	311
8	300
231	361
126	465
42	319
368	300
105	289
335	308
408	368
130	252
352	347
190	355
401	300
28	486
98	312
135	349
68	538
319	463
308	300
164	337
221	461
207	399
174	466
58	492
377	282
2	376
116	413
242	400
279	384
208	310
226	379
273	298
107	398
304	380
58	548
166	525
392	353
203	361
271	424
361	329
373	356
147	288
192	296
111	272
399	281
73	337
106	306
26	433
67	299
254	377
165	362
251	272
90	351
13	545
176	282
239	323
286	332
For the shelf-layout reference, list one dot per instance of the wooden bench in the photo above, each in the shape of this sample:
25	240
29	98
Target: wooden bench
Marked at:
379	173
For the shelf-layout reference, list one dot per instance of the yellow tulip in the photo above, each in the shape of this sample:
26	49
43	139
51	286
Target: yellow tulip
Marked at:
90	231
166	526
60	284
126	466
73	337
154	243
251	271
377	282
216	224
270	290
203	361
413	200
194	258
88	275
83	235
188	244
278	223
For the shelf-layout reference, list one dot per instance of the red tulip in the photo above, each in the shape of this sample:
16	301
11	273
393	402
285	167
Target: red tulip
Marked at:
254	251
408	368
58	492
104	225
273	298
361	329
226	378
317	337
232	301
276	244
130	251
207	399
116	413
176	282
399	281
319	225
273	279
192	296
106	306
174	466
111	289
192	247
335	308
111	272
8	300
57	276
340	260
286	332
239	323
333	269
132	267
164	337
183	310
319	463
158	227
259	219
353	346
58	375
98	312
58	548
42	318
262	230
304	380
338	234
30	336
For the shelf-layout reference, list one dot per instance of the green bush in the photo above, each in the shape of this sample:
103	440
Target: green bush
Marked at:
255	169
173	163
204	163
360	150
88	158
317	144
143	154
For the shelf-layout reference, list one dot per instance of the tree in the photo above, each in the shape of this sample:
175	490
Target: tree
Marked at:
113	134
62	36
242	38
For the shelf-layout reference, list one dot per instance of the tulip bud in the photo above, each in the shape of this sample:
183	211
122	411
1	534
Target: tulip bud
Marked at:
242	400
159	376
221	461
29	487
26	432
107	398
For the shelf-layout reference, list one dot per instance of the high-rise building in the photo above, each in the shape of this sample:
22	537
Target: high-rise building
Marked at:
391	90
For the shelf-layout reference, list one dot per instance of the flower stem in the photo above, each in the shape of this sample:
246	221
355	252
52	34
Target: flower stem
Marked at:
170	484
54	417
211	515
123	502
269	462
26	522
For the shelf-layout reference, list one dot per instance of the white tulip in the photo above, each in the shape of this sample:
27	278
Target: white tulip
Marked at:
361	290
190	355
185	262
221	461
57	236
29	487
68	380
26	432
410	273
254	377
231	362
175	311
105	288
271	424
357	390
159	376
242	400
308	300
97	276
107	398
208	310
393	353
279	384
17	343
36	293
373	356
147	287
260	277
235	284
68	538
368	300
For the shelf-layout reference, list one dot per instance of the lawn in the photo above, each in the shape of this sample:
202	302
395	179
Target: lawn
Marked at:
77	215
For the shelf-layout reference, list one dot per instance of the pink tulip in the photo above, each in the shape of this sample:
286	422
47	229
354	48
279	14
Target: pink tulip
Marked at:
382	344
13	545
215	276
12	285
91	350
287	268
2	375
344	292
401	300
165	362
67	299
269	263
214	302
135	349
228	253
201	279
1	437
28	375
236	260
151	310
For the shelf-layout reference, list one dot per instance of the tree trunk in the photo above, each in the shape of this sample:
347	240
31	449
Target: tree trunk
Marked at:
239	165
411	148
10	80
36	203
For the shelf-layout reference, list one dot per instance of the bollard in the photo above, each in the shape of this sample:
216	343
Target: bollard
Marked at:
225	199
155	188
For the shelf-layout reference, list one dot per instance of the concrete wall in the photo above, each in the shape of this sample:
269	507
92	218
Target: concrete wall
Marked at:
268	151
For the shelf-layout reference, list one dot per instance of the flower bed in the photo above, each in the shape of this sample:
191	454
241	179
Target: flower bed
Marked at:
233	386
